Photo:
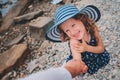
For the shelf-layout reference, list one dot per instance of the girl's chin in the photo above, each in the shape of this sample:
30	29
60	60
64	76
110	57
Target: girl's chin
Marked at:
77	38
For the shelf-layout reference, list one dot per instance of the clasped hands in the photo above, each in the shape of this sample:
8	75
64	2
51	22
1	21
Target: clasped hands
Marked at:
77	48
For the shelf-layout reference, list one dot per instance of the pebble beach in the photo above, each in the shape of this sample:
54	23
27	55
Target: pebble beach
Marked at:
45	55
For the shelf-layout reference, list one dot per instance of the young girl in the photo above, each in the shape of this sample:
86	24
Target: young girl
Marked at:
79	28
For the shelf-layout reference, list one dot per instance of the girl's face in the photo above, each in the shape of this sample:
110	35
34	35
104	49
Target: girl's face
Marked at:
73	28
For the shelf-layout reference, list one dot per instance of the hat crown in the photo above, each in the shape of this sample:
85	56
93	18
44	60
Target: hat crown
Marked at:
64	12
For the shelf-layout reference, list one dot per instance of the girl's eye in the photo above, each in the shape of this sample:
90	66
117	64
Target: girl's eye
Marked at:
73	25
66	30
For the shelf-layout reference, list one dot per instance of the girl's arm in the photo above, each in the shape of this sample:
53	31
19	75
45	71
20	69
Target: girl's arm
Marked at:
100	46
76	55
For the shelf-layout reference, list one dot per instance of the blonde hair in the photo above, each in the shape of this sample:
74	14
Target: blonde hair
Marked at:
88	23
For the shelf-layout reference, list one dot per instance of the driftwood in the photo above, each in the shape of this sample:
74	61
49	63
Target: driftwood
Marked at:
11	58
16	10
29	16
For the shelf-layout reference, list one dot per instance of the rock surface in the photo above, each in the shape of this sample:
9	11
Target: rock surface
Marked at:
39	27
9	58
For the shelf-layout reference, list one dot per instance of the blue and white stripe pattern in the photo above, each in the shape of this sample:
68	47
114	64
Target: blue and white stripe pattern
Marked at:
66	12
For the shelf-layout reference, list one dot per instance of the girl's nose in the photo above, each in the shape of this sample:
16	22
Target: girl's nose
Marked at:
72	32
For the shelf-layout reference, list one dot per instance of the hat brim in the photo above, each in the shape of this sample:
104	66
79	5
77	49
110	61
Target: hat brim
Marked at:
92	11
53	34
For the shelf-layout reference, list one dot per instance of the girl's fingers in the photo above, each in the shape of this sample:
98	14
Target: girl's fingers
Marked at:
77	49
74	41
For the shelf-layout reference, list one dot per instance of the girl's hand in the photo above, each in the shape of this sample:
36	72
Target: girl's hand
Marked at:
83	46
77	47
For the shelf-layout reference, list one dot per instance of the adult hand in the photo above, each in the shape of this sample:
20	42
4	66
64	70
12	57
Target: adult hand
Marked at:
75	67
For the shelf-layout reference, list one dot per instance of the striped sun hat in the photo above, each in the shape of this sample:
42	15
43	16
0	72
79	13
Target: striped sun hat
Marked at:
66	12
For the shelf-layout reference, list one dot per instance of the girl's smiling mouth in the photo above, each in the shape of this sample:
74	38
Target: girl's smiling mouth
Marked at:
77	35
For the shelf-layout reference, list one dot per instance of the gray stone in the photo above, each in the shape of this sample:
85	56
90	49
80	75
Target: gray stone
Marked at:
39	27
9	58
